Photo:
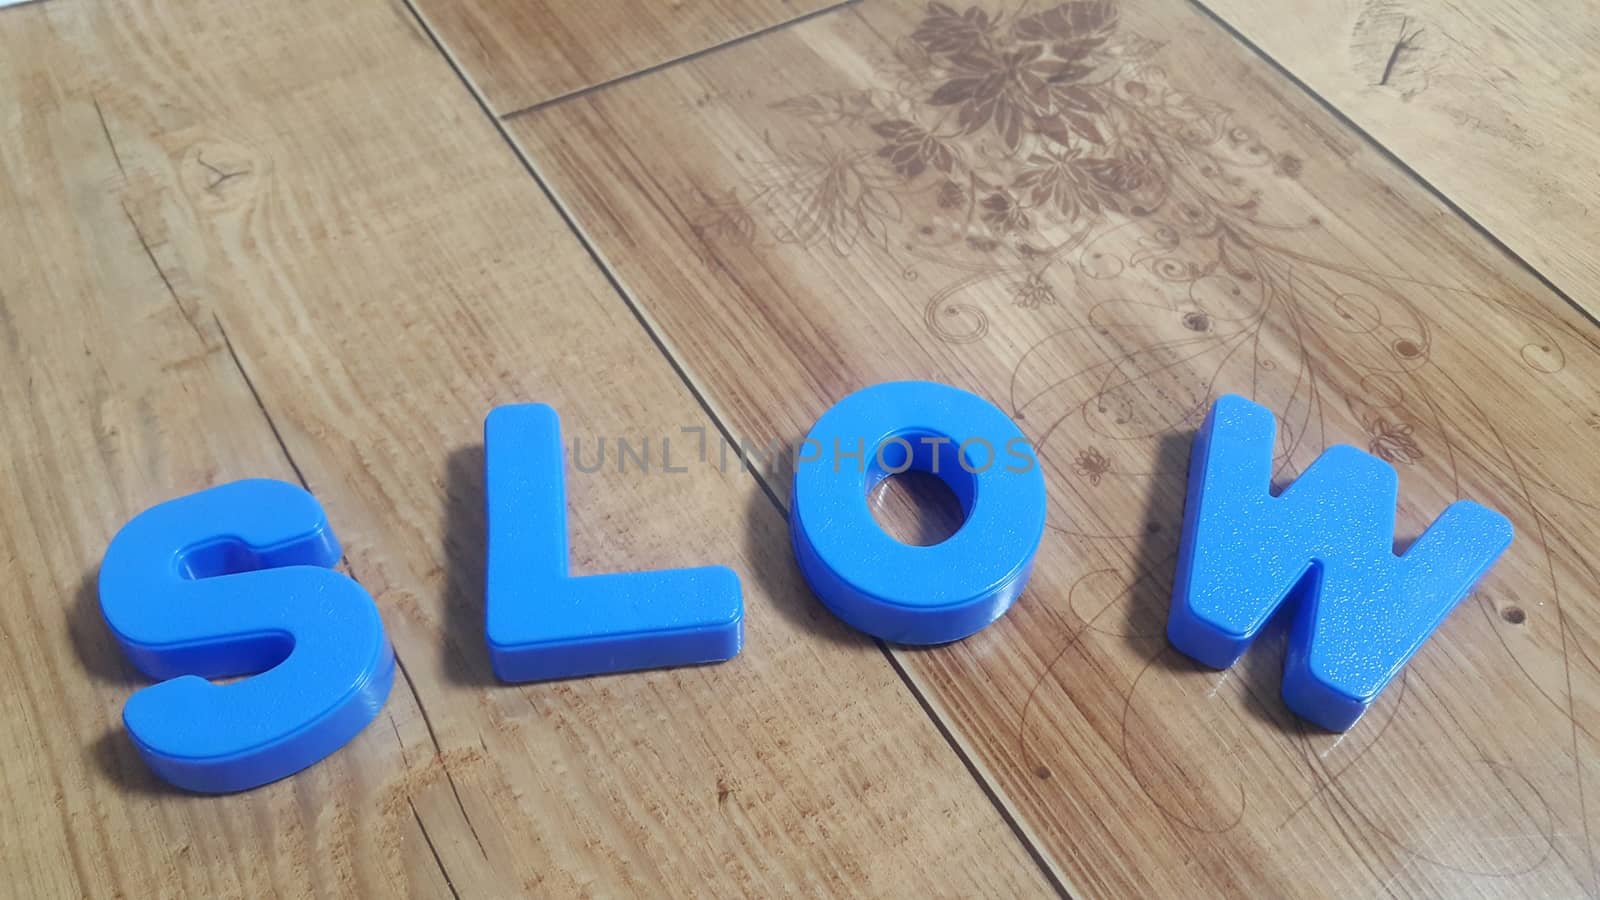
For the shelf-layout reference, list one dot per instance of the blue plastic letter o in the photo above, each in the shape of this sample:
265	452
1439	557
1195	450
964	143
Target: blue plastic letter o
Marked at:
896	591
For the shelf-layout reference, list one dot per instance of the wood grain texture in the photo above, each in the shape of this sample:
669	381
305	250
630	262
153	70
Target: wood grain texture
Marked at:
520	54
1101	215
1495	104
246	240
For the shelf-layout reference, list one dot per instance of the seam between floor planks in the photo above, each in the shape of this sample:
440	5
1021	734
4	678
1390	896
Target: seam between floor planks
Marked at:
1001	805
637	73
344	563
1392	157
349	569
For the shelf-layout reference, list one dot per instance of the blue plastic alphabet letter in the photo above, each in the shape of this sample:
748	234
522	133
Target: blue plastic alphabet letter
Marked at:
1326	546
895	591
236	580
543	623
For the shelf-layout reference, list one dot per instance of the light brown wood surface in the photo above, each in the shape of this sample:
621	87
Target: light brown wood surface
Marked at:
895	190
1497	105
248	239
522	53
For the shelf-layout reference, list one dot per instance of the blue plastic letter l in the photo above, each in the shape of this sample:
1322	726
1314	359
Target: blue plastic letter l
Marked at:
1325	545
543	623
236	580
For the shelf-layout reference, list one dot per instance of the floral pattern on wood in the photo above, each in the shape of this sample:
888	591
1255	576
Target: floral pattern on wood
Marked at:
1042	152
1091	464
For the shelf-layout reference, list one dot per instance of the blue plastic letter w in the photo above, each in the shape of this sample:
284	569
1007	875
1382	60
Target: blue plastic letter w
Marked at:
1325	546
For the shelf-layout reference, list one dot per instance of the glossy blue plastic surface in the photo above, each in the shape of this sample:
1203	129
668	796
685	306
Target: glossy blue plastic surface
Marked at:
543	623
1325	546
235	580
896	591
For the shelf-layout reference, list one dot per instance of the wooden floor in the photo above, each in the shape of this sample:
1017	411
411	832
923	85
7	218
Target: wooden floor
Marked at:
251	238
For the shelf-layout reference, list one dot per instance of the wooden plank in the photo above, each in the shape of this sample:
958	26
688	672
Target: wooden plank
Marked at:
243	240
521	54
117	391
896	191
1497	105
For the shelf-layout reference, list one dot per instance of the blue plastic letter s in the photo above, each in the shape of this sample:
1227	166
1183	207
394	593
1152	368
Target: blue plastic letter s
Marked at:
1326	545
542	622
236	580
